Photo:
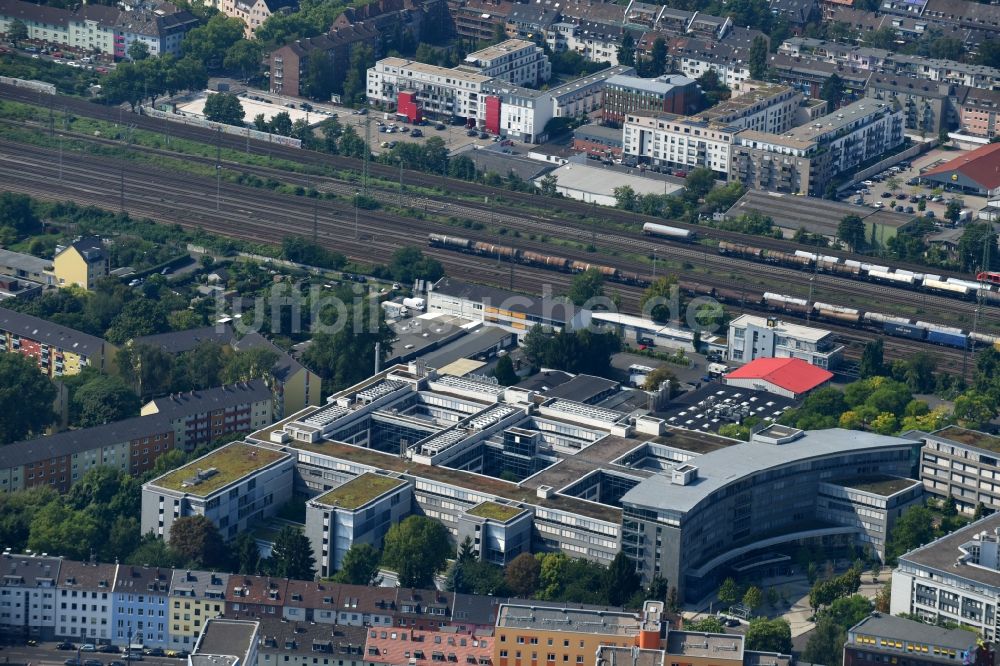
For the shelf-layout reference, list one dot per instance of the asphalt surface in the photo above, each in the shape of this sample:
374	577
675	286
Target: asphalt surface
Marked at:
46	654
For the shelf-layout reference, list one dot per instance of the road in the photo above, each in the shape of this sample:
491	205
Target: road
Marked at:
46	654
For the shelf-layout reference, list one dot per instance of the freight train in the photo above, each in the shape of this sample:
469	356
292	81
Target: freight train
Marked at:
538	259
800	307
986	287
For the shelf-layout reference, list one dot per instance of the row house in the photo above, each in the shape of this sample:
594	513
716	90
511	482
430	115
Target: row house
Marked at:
978	112
140	606
286	643
253	13
57	350
85	601
194	598
480	19
311	601
28	595
256	596
289	64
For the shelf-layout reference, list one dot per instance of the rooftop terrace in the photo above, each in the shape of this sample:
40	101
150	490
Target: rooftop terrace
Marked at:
218	469
360	491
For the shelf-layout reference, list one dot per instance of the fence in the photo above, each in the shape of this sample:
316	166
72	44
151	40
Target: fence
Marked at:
228	129
47	88
878	167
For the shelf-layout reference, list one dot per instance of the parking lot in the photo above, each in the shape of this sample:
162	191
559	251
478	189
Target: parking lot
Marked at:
879	190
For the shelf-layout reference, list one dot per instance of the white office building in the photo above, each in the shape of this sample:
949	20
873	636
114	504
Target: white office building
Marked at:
515	61
752	337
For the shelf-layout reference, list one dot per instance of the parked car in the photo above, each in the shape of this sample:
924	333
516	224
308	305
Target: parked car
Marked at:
117	663
93	662
909	210
133	655
900	196
886	195
484	135
155	652
439	127
416	133
65	645
88	647
471	132
109	649
73	661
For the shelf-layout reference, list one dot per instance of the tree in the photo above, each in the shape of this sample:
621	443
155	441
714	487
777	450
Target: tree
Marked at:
416	549
292	555
197	541
523	575
848	611
16	212
586	286
138	50
883	597
658	57
17	31
757	60
409	264
953	210
826	644
153	552
362	58
832	91
656	378
709	624
224	108
851	230
280	124
764	635
622	580
978	241
974	410
209	43
659	299
729	593
626	49
246	554
872	362
21	384
914	528
504	371
753	598
360	566
625	197
57	528
698	183
548	184
105	400
883	38
244	57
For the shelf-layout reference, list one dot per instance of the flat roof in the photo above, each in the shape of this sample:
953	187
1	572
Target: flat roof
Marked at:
415	66
715	404
360	490
660	85
942	554
25	262
582	388
470	345
879	485
603	181
975	438
727	647
718	469
834	121
231	462
794	330
227	638
497	50
576	620
460	367
812	213
889	626
495	511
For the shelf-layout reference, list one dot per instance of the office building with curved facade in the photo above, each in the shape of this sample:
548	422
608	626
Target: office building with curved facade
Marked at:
732	510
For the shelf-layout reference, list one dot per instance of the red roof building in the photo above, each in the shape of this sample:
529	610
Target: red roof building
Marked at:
976	172
790	377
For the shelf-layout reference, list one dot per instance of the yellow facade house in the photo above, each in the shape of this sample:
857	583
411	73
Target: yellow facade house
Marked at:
81	263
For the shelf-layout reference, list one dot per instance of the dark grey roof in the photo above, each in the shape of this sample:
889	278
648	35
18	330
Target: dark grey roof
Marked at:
283	368
75	575
28	570
545	381
942	555
281	637
468	346
533	15
132	579
582	388
908	86
600	133
17	261
179	405
48	333
890	626
197	583
71	442
475	609
488	160
29	11
177	342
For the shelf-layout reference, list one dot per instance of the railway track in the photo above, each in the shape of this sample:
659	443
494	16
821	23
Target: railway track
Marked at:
675	256
566	213
171	198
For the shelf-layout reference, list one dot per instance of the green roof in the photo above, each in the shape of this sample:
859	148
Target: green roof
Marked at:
968	437
880	485
495	511
219	468
360	491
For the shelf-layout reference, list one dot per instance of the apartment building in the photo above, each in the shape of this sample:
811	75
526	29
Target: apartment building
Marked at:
926	106
26	266
304	644
85	601
978	112
60	460
290	63
671	93
194	598
58	350
479	19
440	91
100	29
140	608
232	486
255	596
28	595
311	601
200	417
953	579
752	337
806	159
679	142
358	511
516	61
760	106
253	13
